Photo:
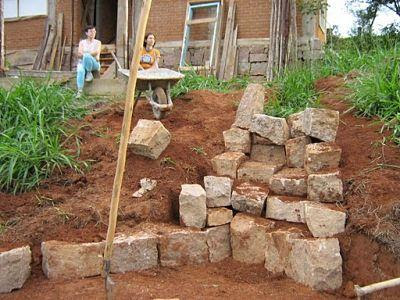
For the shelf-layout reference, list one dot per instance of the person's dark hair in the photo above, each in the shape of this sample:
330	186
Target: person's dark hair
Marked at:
88	27
145	39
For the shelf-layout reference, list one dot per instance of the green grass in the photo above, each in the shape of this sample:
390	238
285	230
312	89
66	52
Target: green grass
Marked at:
33	119
193	81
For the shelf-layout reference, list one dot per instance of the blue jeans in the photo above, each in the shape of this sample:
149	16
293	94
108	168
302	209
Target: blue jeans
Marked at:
88	64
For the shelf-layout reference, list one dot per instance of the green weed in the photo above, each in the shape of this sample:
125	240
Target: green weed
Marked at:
199	150
168	161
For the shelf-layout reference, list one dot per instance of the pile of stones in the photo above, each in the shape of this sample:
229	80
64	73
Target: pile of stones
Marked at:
278	186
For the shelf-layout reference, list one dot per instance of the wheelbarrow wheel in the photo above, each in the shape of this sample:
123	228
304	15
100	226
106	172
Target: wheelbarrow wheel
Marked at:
160	98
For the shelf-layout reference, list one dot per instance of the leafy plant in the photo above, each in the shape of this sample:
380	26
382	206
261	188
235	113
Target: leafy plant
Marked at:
199	150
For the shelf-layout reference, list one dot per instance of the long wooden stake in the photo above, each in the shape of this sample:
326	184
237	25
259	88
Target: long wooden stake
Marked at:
362	291
126	124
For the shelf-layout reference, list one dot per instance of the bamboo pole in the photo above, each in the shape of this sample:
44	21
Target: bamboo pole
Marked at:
126	124
362	291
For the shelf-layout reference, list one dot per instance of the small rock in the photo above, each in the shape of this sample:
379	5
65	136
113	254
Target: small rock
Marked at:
327	187
251	103
272	128
146	185
285	209
237	140
15	268
321	123
219	216
219	243
149	138
257	171
192	206
324	222
271	154
249	198
218	191
322	157
296	151
248	238
227	163
289	181
295	123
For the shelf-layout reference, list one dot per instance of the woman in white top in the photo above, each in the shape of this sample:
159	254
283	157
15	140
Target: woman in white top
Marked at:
89	56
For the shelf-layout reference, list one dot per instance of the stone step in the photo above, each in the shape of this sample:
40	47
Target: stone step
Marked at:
15	268
289	181
257	171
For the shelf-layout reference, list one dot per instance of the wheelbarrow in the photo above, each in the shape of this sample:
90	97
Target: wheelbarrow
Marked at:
156	84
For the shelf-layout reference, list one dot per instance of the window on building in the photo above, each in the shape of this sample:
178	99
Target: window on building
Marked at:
24	8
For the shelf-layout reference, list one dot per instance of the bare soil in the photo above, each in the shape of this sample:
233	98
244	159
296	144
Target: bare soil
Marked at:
74	207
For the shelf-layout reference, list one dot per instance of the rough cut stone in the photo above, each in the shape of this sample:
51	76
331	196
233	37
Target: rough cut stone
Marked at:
192	206
258	68
61	260
257	171
134	253
183	248
289	181
316	263
15	268
219	216
324	222
296	151
285	209
259	140
322	157
248	238
321	123
227	163
296	126
249	198
271	154
243	55
218	191
278	247
219	243
251	103
243	68
325	187
149	138
259	57
237	140
272	128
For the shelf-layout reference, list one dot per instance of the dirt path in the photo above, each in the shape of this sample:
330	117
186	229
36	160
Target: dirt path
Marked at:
74	207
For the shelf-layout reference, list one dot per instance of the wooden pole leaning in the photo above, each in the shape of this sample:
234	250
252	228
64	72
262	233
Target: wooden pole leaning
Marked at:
126	124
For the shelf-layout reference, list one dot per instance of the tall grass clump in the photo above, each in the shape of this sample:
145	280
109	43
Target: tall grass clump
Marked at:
293	91
193	81
32	123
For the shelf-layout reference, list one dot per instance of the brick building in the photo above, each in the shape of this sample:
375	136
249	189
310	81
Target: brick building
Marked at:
25	28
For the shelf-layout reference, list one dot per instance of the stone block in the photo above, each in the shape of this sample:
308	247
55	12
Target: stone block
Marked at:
327	187
278	247
251	103
243	68
134	253
249	198
324	222
61	260
258	57
296	124
271	154
227	163
289	181
257	171
183	248
322	157
285	209
259	140
219	216
219	243
259	68
243	55
296	151
316	263
192	206
248	238
321	123
237	140
255	49
149	138
15	268
272	128
218	191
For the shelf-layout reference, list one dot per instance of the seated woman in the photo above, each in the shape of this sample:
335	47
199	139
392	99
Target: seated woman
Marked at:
149	56
89	56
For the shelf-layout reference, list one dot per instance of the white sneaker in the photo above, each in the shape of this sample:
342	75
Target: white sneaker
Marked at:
79	94
89	76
